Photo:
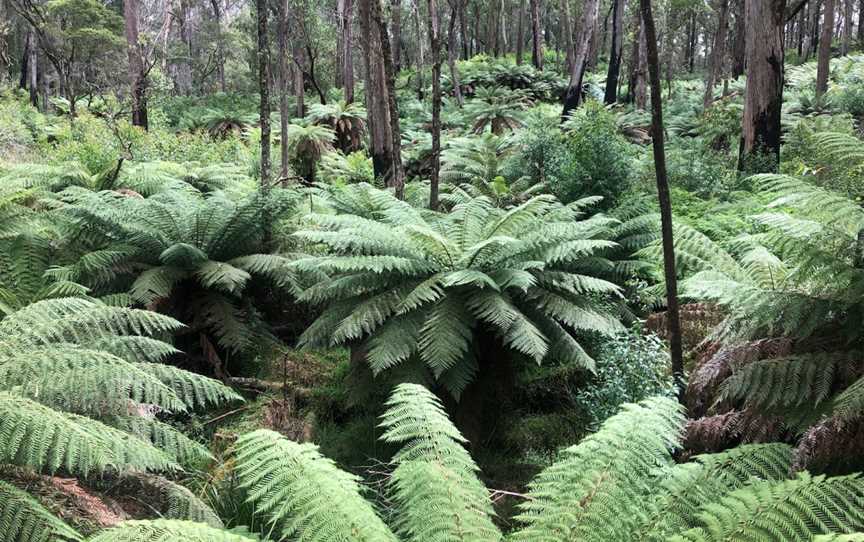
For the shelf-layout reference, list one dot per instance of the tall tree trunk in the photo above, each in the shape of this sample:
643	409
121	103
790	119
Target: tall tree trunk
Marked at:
435	51
298	54
860	23
137	75
380	103
664	199
760	130
463	29
640	74
491	28
284	88
33	72
397	178
692	42
847	26
184	65
421	55
614	72
536	36
718	52
823	65
263	54
25	59
573	98
396	30
347	66
568	34
739	47
520	32
452	53
220	45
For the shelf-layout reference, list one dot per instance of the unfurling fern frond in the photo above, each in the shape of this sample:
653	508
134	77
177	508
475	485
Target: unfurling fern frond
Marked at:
302	494
166	530
435	482
24	519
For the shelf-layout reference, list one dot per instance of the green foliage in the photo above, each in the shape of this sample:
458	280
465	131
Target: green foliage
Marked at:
421	286
166	530
435	481
630	367
24	519
597	161
302	494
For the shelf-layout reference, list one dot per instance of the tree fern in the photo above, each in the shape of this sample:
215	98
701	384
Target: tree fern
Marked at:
421	286
24	519
303	495
435	481
166	530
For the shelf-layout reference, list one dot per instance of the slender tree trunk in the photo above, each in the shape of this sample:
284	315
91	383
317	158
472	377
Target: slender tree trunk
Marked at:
452	53
640	77
347	66
33	70
823	66
463	29
568	35
760	131
614	72
25	60
397	178
536	36
396	45
718	52
184	66
693	41
739	49
299	81
421	55
284	88
860	23
573	98
435	51
672	313
847	26
137	75
264	92
520	32
220	45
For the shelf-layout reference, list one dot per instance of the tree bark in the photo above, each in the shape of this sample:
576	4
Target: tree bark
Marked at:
463	29
847	26
263	54
718	52
346	45
536	36
137	74
520	32
760	131
184	65
220	45
435	51
823	66
421	55
860	23
396	30
639	81
664	199
33	72
573	99
567	30
739	49
383	114
452	53
284	88
614	72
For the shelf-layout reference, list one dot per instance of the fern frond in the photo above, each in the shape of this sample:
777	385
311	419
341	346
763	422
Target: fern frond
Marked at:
166	530
302	494
24	519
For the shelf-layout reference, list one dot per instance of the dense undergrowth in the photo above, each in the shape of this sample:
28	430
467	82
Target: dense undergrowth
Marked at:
173	339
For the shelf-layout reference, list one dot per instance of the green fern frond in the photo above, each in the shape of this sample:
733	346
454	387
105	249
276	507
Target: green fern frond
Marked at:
435	481
302	494
24	519
166	530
